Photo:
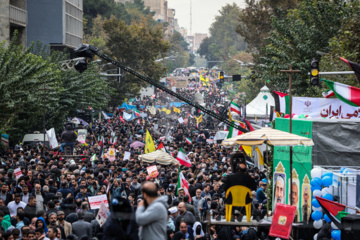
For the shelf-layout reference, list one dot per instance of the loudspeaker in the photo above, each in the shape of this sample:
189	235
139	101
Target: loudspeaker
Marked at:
351	227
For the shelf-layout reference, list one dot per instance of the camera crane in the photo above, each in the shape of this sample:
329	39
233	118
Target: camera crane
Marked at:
88	51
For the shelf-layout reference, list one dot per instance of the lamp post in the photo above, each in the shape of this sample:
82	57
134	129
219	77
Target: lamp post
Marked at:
44	117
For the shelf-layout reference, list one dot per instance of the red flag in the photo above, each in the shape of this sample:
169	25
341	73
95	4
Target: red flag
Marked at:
121	119
331	209
161	147
248	125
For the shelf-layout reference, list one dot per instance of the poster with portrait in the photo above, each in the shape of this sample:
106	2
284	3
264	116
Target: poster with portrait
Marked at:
81	137
302	164
279	185
306	198
294	195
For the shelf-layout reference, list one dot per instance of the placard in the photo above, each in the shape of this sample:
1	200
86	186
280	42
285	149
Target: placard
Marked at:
82	135
102	215
127	155
181	120
95	201
282	221
18	173
152	172
112	153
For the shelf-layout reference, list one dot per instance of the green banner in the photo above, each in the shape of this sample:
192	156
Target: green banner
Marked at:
301	169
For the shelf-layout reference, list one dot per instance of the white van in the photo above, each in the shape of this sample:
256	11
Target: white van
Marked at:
33	139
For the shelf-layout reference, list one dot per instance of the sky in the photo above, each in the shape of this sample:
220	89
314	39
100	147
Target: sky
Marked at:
203	12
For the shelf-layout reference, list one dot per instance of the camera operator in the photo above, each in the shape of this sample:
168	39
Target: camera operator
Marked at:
152	219
240	176
68	137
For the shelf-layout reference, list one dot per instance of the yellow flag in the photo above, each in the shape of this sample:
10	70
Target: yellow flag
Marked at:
248	150
202	78
176	110
261	158
149	143
164	109
152	110
168	111
207	79
199	119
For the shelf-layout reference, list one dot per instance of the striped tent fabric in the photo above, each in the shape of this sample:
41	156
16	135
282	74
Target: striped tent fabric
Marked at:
270	136
158	156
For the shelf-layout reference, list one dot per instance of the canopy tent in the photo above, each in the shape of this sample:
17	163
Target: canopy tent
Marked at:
268	135
257	107
158	156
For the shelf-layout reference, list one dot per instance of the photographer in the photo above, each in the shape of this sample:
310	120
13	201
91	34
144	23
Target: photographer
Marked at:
152	219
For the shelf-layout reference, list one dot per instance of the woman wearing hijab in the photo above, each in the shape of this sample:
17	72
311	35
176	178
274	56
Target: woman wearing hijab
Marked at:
197	230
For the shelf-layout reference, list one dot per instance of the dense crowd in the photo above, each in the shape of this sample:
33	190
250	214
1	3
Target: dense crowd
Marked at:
51	198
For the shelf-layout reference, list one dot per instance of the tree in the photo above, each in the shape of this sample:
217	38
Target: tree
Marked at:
296	38
137	46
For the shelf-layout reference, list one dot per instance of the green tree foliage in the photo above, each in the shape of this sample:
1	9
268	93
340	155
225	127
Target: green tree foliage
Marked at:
179	56
25	72
223	42
255	21
296	38
137	46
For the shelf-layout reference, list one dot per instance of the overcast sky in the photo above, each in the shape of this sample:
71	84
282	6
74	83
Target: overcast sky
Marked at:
203	12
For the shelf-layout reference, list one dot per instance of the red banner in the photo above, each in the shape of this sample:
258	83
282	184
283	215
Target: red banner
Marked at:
282	221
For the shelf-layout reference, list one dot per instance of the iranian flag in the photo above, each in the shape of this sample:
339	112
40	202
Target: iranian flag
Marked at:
183	158
182	183
188	140
235	108
281	102
93	158
137	113
346	93
233	132
102	140
328	94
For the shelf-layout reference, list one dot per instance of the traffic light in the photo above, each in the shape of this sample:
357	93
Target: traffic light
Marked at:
222	80
314	72
252	76
236	78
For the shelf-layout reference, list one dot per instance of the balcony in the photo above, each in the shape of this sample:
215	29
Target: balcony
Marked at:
18	16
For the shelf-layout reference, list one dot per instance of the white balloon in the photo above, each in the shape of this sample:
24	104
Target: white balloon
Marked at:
317	209
326	190
317	193
316	172
318	224
295	116
315	236
333	226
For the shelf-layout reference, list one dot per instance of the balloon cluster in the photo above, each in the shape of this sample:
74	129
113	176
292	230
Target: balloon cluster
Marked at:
321	186
296	116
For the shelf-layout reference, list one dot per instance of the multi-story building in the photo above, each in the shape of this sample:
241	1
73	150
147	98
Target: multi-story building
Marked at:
13	17
58	23
198	38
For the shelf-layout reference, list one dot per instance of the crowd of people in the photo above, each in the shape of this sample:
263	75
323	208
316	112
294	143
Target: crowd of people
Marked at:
50	200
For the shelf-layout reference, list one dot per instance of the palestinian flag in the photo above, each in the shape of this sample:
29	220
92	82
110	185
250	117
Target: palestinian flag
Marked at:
328	94
331	209
248	125
188	140
354	66
235	108
281	102
161	147
346	93
137	113
183	158
182	183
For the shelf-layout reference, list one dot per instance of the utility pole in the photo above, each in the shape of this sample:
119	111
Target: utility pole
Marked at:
190	17
290	71
44	116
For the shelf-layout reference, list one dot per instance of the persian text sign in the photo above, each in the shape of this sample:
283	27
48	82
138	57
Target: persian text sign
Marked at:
282	221
95	201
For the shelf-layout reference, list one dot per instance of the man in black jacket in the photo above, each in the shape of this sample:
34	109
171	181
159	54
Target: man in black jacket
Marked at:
240	177
68	137
30	208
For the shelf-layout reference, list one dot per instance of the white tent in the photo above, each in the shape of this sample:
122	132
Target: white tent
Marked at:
257	107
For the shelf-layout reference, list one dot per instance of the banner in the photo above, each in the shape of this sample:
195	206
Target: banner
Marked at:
102	215
81	135
152	172
324	108
18	173
112	152
282	221
95	201
302	164
52	138
127	155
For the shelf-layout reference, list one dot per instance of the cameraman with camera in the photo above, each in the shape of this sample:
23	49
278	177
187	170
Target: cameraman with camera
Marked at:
151	213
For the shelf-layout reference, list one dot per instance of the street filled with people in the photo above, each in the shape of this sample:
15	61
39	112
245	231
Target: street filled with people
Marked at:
51	197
